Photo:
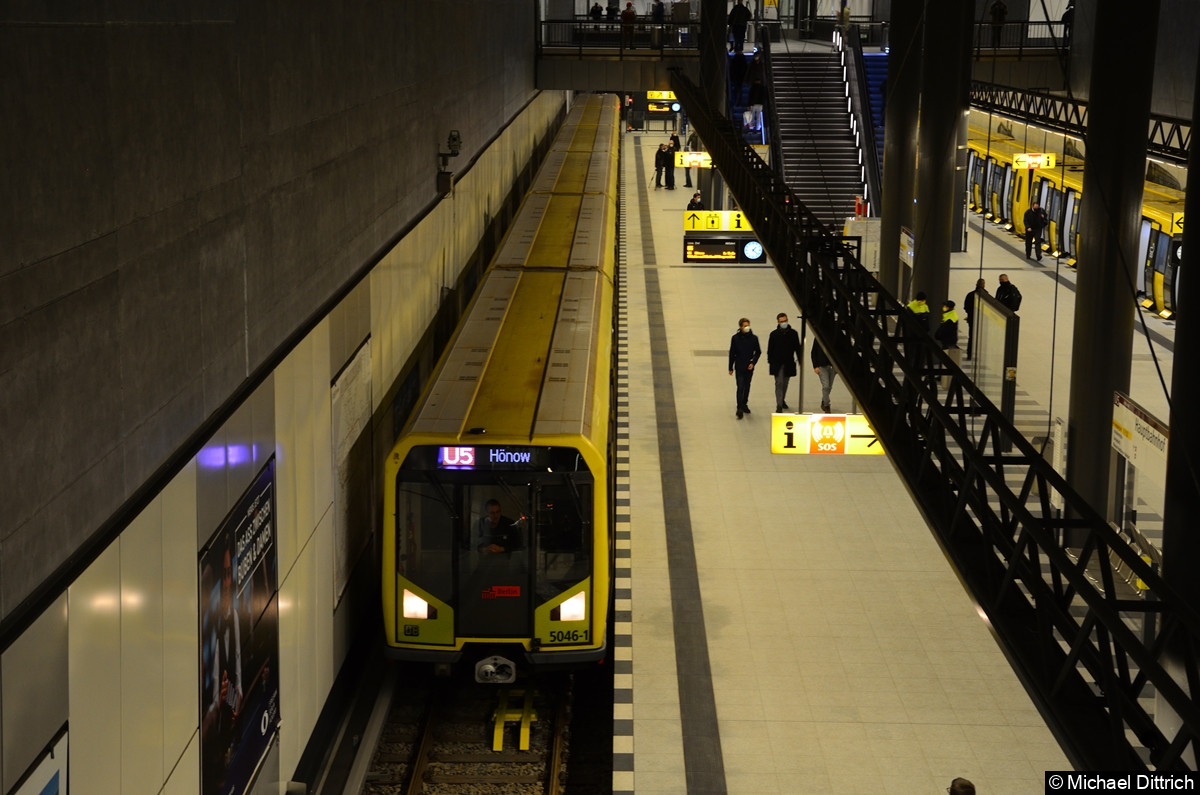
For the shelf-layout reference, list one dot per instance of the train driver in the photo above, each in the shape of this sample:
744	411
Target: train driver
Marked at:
499	534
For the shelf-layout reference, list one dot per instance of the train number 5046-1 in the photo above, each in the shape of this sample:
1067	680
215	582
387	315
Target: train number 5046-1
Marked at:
569	636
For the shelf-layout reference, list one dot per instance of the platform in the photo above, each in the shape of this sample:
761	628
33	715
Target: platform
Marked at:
788	624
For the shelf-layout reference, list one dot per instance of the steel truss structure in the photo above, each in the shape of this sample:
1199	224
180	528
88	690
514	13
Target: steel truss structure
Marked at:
1167	137
1098	659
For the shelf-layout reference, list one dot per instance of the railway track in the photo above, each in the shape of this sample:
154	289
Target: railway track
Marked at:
451	736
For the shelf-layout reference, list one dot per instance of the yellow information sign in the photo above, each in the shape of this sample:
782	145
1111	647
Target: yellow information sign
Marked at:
716	221
1034	160
660	95
823	434
1176	223
693	159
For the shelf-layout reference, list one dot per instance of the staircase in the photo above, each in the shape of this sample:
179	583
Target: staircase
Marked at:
821	161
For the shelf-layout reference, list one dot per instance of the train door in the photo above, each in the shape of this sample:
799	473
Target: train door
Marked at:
494	577
1171	277
1145	256
1053	207
995	204
1006	194
975	177
1020	201
1069	223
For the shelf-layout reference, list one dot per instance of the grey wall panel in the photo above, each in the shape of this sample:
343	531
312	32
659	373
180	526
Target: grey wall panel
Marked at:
194	183
55	100
33	691
172	112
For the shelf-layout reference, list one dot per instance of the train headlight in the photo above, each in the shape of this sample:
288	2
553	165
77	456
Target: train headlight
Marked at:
416	607
574	609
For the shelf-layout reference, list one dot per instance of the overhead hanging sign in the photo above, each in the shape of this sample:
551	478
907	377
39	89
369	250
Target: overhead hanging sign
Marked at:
823	434
716	221
692	159
1034	160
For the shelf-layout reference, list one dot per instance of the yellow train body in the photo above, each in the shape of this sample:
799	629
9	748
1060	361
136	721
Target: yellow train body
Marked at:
517	413
1002	193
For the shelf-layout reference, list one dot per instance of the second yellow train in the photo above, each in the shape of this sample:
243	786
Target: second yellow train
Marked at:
1002	192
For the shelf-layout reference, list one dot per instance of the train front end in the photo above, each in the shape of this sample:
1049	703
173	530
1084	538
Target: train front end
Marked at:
498	556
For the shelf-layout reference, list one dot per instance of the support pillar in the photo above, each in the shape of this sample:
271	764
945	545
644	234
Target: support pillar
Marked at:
1114	172
899	138
713	58
945	81
713	63
1181	543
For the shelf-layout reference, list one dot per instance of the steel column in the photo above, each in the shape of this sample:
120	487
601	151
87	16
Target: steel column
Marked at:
899	138
1114	172
945	91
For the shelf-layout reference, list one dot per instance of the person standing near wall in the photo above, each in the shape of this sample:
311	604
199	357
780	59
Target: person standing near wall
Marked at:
969	309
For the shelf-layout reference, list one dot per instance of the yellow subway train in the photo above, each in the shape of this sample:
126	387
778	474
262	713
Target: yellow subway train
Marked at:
1001	191
497	529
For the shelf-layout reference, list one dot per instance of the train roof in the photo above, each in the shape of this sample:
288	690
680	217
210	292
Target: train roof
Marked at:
525	360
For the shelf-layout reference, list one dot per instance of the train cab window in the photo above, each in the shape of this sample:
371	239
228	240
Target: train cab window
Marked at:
425	529
564	536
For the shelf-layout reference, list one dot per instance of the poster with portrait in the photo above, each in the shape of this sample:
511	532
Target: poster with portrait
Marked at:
239	642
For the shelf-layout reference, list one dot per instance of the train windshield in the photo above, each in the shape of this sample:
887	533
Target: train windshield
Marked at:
494	531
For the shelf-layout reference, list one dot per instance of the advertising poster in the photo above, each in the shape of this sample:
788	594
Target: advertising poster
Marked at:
239	642
49	775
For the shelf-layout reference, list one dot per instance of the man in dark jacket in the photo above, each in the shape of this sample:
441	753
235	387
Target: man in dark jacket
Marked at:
919	307
783	354
499	533
743	354
1008	294
969	308
664	161
1035	222
739	17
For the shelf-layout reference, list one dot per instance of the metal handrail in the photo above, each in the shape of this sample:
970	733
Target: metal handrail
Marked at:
774	142
859	91
583	34
1088	654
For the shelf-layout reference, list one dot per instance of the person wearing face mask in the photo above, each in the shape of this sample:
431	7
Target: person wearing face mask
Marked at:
783	354
743	354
